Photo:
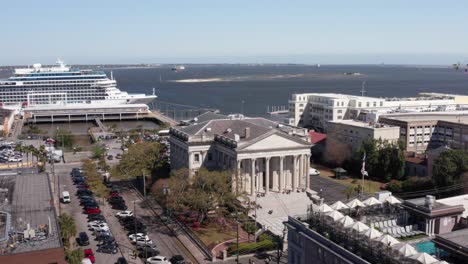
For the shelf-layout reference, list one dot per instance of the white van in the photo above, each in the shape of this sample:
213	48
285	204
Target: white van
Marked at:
66	197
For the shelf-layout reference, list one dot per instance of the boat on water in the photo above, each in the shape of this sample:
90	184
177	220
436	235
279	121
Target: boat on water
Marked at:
63	85
178	68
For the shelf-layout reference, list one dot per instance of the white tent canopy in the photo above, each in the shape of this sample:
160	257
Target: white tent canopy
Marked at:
339	206
346	221
359	226
335	215
371	201
405	249
372	233
387	240
355	203
324	208
392	200
424	258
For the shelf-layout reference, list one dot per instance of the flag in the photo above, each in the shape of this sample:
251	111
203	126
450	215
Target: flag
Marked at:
363	168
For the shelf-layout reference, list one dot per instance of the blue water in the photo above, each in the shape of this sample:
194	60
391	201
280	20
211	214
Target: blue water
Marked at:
428	247
260	86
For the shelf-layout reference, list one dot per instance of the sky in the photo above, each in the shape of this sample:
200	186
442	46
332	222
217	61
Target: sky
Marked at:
240	31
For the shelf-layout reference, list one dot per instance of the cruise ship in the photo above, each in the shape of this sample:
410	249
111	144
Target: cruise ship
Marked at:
62	85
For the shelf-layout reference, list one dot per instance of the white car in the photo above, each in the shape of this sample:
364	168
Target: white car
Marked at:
96	222
124	214
137	235
99	227
314	172
157	260
14	159
142	241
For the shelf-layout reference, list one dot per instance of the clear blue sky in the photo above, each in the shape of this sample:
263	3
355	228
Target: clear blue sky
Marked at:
347	31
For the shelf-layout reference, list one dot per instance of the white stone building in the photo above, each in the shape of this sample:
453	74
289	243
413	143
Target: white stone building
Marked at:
353	133
316	109
263	155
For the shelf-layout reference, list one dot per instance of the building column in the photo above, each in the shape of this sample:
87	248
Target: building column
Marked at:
294	173
307	167
252	177
267	175
281	176
275	175
239	183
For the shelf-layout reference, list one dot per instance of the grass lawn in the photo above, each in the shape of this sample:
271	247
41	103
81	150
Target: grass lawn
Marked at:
213	234
369	186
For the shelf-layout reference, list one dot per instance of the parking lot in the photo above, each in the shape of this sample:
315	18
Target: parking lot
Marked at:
76	211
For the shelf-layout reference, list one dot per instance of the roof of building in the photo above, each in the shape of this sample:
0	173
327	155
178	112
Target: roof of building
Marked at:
438	208
457	240
358	123
207	116
420	160
454	116
457	200
316	137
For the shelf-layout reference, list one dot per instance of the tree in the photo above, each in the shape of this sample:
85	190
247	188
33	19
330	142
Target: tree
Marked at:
351	190
67	228
208	191
98	152
384	160
141	160
336	153
449	167
250	228
74	256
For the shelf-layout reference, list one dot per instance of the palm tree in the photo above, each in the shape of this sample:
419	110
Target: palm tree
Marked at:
67	227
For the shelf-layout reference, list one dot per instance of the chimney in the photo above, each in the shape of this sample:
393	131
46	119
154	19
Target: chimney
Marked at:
247	132
236	137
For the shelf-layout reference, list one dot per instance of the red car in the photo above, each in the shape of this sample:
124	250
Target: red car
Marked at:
88	253
93	211
82	186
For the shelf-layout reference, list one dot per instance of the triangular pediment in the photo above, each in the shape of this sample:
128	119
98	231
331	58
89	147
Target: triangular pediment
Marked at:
274	141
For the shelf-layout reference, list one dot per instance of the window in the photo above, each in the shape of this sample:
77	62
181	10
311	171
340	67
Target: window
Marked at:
359	104
340	111
375	104
381	103
367	104
197	158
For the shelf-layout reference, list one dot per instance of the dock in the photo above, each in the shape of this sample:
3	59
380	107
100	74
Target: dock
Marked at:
94	113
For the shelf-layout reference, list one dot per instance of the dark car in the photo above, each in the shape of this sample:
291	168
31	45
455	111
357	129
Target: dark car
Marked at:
107	240
82	239
104	238
121	260
119	206
148	253
88	201
96	217
177	259
112	249
84	192
115	199
110	157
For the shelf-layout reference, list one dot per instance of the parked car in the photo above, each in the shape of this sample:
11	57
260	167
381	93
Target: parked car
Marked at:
112	249
314	172
124	214
107	240
177	259
138	235
94	217
88	253
142	241
110	157
82	239
120	206
148	253
93	211
121	260
97	227
96	222
157	260
104	236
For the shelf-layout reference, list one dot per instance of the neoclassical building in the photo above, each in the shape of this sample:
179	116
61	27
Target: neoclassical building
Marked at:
263	155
